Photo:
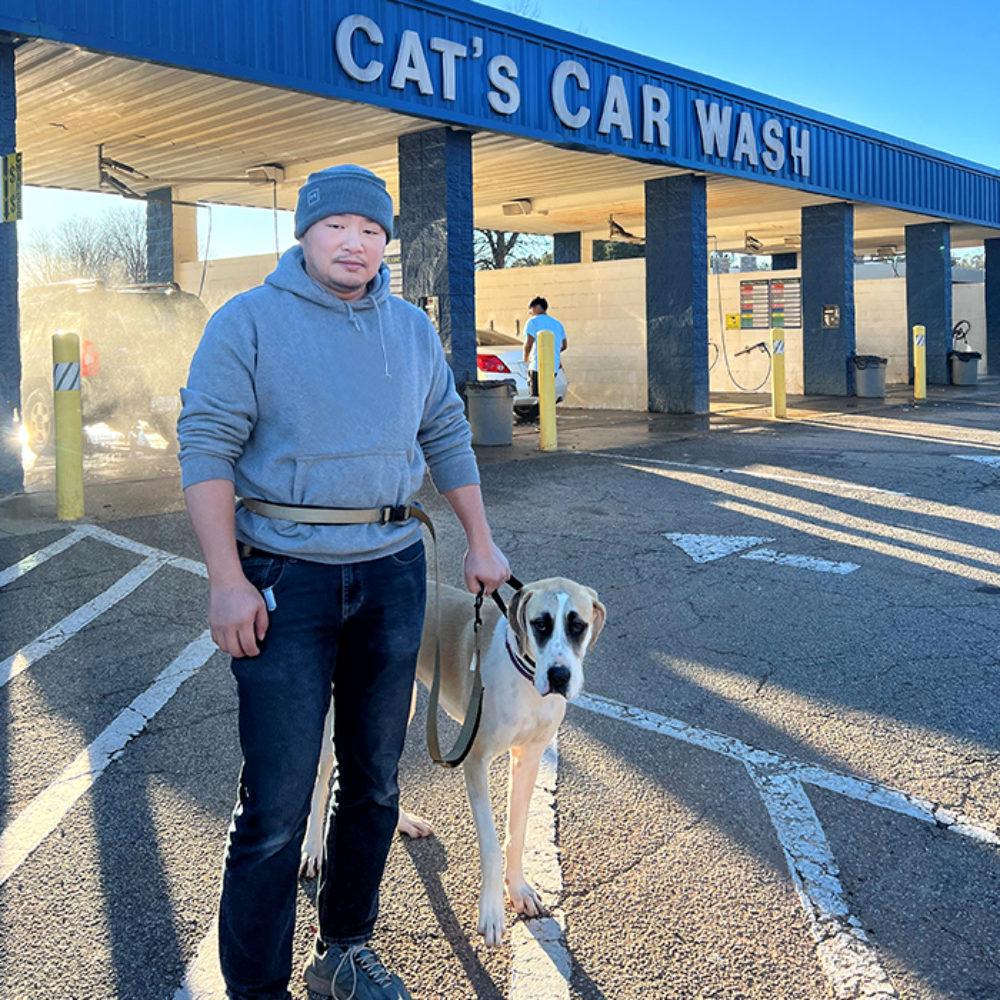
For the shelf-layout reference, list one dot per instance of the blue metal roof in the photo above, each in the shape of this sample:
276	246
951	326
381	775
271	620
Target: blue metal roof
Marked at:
460	62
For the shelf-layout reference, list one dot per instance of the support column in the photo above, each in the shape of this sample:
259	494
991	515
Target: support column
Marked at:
784	261
435	232
992	293
928	294
566	248
677	295
11	470
828	317
159	235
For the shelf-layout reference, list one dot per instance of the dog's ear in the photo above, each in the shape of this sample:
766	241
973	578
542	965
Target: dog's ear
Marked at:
599	618
517	615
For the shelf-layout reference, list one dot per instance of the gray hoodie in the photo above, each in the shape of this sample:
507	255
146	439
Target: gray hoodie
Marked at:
299	397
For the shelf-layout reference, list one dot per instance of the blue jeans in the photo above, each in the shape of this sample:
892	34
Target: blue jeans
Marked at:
356	629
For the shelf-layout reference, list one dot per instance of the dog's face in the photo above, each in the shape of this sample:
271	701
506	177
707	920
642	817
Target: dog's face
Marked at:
556	621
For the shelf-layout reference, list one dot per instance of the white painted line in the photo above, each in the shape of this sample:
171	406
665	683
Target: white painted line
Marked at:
64	630
848	958
828	484
706	548
203	980
540	964
992	460
30	562
859	789
801	562
46	810
141	549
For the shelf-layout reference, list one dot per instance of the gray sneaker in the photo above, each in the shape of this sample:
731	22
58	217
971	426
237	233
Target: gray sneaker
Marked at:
351	972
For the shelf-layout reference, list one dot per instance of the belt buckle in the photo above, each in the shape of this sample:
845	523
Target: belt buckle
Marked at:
391	515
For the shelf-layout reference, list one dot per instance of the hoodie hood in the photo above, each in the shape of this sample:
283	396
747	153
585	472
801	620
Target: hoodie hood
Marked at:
290	276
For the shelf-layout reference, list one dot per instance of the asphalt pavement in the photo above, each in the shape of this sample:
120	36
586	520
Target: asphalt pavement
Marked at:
781	782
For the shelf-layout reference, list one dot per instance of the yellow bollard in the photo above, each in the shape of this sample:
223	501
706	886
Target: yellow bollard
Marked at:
68	426
919	363
545	352
778	404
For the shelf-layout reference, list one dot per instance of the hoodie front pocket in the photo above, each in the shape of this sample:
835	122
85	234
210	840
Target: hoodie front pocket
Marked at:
353	480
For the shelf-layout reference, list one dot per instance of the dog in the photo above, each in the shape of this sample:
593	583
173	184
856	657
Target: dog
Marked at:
532	665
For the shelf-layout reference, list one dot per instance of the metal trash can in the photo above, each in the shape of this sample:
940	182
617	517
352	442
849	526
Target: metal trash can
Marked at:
964	367
491	410
869	375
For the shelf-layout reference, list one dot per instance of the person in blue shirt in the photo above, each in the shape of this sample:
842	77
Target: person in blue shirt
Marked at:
541	320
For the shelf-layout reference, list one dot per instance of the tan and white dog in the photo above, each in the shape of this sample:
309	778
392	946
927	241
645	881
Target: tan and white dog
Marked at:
532	664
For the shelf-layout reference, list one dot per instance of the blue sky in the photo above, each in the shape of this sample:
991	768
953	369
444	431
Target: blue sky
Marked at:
924	70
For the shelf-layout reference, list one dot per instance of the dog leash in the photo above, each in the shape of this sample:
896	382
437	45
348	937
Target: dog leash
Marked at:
390	515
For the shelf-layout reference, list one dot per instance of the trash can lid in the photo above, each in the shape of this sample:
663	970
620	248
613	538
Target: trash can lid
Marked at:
868	360
965	355
490	385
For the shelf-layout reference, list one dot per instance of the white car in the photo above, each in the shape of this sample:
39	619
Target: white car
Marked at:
501	356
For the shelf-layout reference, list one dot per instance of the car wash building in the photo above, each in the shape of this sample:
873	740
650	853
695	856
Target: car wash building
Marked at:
480	118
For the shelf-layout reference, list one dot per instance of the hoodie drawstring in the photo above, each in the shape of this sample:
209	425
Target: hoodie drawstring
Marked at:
381	339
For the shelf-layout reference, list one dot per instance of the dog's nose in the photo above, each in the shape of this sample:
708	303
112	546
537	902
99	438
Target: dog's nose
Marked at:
559	680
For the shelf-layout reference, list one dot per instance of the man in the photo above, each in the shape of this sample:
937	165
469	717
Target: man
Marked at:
320	389
541	320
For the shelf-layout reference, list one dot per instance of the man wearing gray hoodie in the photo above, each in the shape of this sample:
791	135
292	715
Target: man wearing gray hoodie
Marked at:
319	389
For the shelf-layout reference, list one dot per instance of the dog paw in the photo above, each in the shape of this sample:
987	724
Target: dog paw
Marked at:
524	899
413	826
491	921
309	865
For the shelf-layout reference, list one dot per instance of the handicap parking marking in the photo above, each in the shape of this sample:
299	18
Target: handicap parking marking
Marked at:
848	959
708	548
35	559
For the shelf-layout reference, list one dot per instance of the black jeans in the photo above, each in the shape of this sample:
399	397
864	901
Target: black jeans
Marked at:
355	628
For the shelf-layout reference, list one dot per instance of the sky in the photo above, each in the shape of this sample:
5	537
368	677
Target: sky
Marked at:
923	70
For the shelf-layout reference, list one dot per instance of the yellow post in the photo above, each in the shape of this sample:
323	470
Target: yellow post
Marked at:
778	374
68	426
919	363
545	352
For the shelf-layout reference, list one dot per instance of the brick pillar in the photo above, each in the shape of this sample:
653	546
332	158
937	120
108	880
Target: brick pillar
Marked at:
159	235
828	289
435	233
928	294
677	295
11	470
992	292
566	248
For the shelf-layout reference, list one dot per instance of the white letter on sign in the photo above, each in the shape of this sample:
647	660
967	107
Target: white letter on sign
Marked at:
505	97
411	64
450	51
345	55
799	145
569	68
655	111
746	141
714	123
774	158
616	110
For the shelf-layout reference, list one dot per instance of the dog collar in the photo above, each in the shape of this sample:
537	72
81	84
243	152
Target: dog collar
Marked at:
522	665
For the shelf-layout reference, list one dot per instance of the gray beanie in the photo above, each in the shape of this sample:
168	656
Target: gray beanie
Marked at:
346	190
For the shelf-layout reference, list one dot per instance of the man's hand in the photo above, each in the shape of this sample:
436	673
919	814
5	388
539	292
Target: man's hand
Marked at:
237	616
486	567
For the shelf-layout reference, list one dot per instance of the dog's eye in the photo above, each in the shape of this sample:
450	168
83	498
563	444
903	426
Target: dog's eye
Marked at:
576	626
542	625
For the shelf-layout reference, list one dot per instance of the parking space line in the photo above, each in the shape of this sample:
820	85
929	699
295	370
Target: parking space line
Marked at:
859	789
64	630
202	979
35	559
46	810
141	549
540	963
847	956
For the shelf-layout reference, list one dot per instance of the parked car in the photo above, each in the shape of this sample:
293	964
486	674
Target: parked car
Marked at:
501	356
136	344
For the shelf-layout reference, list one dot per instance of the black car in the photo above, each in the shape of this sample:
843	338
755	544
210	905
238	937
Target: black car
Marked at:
136	345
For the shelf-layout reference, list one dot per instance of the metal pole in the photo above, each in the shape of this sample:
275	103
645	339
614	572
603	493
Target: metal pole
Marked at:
546	390
919	363
778	400
68	426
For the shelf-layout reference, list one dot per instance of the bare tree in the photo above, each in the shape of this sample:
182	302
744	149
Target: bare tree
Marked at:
111	249
496	249
525	8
